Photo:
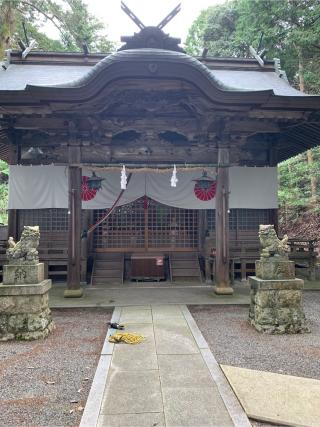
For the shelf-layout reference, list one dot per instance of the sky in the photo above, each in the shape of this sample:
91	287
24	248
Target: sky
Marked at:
150	12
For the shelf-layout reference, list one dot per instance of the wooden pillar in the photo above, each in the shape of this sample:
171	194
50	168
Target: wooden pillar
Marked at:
13	214
74	232
13	224
273	162
222	276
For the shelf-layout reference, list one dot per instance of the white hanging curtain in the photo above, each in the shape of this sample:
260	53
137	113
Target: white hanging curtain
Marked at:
40	187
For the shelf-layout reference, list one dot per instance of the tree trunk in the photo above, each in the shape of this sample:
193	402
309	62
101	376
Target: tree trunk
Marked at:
313	179
301	71
7	21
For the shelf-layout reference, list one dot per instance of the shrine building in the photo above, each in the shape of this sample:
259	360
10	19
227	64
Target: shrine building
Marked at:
148	163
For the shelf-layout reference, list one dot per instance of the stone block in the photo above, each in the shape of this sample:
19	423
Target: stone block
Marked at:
18	323
24	311
258	284
23	274
276	306
275	269
3	323
265	298
264	316
289	298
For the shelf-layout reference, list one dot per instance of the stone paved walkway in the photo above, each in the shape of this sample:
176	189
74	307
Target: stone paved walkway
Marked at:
171	379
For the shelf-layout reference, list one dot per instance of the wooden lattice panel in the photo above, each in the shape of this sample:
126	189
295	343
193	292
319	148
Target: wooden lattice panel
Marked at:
146	224
47	219
242	219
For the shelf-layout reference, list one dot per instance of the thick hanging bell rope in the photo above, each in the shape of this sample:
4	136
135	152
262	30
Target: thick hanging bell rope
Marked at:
109	212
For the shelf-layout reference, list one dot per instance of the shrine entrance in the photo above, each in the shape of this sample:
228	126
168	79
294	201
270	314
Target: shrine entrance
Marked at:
145	226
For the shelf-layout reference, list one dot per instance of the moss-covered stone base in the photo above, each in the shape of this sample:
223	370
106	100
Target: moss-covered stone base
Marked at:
276	306
24	311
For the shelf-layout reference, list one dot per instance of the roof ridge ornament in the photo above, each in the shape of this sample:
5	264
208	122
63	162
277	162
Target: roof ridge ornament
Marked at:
259	54
150	36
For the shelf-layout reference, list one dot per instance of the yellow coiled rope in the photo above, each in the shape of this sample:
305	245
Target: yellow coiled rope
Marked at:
126	337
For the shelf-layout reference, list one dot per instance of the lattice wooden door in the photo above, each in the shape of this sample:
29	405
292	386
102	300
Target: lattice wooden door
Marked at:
146	225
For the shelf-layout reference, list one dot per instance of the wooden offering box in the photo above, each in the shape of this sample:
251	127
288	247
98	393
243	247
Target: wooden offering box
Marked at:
147	267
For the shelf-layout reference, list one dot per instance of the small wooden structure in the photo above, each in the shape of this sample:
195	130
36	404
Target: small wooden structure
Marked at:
149	106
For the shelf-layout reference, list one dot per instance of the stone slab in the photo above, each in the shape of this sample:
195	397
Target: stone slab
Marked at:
275	398
130	309
190	407
130	392
197	335
257	283
14	274
273	268
108	347
160	312
136	357
31	289
132	420
136	316
186	370
127	296
92	409
235	410
174	339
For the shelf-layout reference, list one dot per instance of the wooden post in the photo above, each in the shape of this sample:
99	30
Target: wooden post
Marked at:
222	276
74	241
273	162
13	214
13	224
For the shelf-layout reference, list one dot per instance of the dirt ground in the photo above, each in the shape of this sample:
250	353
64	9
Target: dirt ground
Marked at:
46	383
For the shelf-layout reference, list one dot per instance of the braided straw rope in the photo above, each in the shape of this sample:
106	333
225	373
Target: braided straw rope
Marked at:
126	337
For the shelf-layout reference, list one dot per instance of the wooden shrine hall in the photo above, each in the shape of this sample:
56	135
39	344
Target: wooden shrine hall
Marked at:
142	163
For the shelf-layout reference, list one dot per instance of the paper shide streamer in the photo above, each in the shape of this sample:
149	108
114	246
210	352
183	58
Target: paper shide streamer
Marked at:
123	181
174	178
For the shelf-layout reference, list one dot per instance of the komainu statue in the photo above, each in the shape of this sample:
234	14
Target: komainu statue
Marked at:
271	245
25	251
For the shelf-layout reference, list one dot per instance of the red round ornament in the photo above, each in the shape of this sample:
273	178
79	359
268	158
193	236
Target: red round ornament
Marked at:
205	194
86	192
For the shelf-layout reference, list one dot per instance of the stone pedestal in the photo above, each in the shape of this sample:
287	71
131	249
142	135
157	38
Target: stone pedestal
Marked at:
24	308
276	298
23	274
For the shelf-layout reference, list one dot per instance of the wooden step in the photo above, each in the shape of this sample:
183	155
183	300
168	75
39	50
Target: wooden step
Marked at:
108	264
108	256
185	266
107	273
192	263
183	256
186	272
108	268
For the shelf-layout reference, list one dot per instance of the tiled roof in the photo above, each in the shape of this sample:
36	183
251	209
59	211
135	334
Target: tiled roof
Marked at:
18	75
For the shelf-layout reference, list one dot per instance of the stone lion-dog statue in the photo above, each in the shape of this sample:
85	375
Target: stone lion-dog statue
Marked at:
24	251
271	244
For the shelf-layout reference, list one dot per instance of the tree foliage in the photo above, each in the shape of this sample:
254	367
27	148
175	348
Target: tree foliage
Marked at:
21	19
290	30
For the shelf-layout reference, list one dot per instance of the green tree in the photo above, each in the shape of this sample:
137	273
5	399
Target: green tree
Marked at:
290	29
71	18
291	32
214	30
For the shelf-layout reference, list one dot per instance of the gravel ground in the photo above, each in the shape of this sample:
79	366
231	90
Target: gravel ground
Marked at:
46	383
233	341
